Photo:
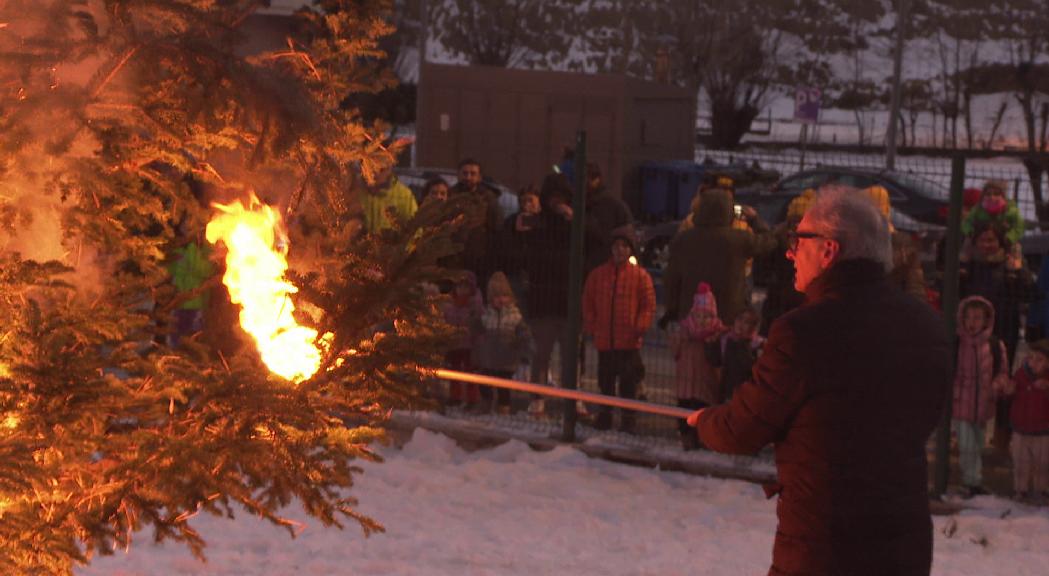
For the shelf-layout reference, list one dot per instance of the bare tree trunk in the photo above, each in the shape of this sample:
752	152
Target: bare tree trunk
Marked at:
914	114
1036	166
956	97
968	117
936	118
1035	162
1044	120
860	127
902	123
729	122
998	117
946	128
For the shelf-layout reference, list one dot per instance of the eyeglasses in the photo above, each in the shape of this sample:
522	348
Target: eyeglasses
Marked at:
794	237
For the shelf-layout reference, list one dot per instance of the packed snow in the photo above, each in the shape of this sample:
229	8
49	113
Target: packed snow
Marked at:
511	510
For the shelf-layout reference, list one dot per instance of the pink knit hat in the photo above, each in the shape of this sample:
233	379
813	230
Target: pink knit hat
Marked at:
704	299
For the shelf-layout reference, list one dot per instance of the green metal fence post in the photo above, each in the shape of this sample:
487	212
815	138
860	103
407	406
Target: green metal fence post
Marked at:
949	301
570	356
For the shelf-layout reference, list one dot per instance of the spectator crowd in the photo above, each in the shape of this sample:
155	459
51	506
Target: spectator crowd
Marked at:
510	303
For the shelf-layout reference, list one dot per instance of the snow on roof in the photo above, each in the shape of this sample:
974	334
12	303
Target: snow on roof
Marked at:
283	7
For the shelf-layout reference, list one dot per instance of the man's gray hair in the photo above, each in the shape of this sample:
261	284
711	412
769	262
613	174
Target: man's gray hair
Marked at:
850	217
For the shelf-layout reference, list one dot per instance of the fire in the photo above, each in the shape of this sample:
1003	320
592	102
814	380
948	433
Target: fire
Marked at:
255	266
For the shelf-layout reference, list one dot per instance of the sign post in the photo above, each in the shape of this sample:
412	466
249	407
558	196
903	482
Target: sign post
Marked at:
806	111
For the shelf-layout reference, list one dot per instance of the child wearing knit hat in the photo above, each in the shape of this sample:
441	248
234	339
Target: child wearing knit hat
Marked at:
460	311
995	208
696	380
503	339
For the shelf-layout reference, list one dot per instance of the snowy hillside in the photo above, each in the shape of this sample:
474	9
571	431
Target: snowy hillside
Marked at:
513	511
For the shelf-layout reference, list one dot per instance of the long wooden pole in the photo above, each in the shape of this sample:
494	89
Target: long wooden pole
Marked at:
637	405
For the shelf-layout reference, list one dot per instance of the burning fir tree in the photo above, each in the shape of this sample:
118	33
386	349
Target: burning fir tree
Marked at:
120	123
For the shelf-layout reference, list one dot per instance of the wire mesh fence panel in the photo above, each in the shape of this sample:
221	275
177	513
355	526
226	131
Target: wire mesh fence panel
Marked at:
678	327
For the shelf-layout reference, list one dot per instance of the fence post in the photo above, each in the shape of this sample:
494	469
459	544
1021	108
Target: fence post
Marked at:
804	140
949	302
570	357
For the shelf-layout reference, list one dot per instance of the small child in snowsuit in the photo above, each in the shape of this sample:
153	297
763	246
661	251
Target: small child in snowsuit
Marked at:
463	308
697	383
503	339
736	351
1029	417
995	207
982	371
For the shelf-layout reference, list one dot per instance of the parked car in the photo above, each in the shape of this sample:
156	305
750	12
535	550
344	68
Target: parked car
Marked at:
919	205
1035	247
416	179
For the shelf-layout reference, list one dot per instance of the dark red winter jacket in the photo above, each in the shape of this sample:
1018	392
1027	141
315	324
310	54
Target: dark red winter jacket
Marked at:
849	388
1029	413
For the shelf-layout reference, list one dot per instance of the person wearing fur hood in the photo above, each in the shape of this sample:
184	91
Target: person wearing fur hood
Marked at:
982	374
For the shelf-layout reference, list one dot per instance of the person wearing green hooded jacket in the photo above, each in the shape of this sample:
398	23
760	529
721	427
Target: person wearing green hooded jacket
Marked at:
995	208
190	268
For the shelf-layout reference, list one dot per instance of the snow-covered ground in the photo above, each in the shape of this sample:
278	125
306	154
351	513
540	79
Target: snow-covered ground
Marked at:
511	510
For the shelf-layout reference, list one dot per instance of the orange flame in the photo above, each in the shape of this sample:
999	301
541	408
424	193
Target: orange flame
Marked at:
255	266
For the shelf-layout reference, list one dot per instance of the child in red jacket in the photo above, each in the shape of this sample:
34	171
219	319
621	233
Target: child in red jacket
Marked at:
460	311
619	302
1029	417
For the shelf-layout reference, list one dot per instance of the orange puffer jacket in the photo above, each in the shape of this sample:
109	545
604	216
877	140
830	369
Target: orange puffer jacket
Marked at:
618	305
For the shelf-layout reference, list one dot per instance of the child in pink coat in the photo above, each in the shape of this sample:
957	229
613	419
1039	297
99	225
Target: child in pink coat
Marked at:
697	382
979	380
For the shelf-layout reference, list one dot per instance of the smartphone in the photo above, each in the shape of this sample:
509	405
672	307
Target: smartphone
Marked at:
738	211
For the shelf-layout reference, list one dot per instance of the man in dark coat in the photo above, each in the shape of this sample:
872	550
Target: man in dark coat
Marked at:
484	220
547	264
606	215
849	388
712	251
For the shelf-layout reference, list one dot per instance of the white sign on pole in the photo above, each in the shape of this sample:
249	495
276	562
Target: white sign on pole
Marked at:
807	104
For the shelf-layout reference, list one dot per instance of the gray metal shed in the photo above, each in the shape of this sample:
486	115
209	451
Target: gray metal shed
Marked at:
517	122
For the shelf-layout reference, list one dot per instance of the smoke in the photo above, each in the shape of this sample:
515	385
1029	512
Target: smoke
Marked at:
31	225
36	230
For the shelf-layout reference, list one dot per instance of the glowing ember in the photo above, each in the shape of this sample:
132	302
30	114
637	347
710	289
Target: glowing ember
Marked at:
255	266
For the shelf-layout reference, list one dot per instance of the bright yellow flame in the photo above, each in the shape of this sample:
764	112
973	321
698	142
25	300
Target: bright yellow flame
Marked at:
11	421
255	266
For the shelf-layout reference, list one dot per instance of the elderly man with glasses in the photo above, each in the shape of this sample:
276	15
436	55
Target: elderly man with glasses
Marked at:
848	390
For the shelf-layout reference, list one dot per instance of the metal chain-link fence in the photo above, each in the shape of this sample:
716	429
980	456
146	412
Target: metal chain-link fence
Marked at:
649	335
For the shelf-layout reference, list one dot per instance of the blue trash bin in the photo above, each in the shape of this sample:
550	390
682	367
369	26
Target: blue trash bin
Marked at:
688	180
655	190
667	187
